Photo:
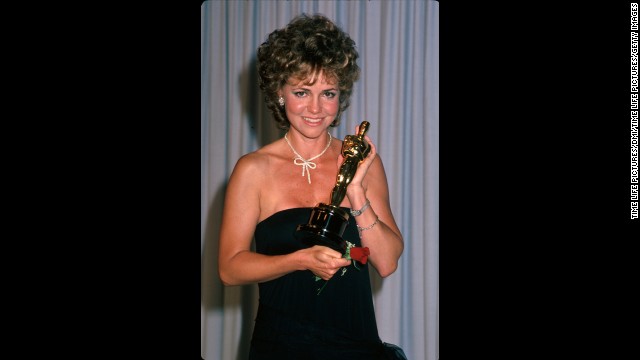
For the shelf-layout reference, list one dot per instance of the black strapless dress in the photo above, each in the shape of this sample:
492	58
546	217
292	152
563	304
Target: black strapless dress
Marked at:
294	321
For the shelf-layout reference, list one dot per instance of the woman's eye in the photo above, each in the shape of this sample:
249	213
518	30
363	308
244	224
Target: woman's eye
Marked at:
330	94
300	93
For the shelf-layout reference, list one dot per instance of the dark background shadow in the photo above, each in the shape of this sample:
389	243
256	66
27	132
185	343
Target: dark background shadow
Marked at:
263	127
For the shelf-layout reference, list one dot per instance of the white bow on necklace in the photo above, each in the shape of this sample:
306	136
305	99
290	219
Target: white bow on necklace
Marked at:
307	164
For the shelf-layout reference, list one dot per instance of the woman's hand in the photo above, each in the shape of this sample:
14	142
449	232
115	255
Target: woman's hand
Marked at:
363	166
324	262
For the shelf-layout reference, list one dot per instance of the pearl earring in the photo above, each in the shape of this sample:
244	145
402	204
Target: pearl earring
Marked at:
281	101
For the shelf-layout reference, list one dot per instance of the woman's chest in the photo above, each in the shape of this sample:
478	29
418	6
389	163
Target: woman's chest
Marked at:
290	186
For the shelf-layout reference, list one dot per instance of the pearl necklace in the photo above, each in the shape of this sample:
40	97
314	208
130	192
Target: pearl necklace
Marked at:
307	164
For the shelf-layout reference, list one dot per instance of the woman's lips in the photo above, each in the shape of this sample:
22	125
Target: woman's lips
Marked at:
312	121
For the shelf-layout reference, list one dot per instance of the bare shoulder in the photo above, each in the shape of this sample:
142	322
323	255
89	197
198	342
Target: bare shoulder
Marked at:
256	164
252	163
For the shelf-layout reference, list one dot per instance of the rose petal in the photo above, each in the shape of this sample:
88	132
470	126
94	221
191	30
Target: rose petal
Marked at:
359	254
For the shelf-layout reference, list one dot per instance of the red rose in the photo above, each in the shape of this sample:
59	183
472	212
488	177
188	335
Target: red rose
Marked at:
359	254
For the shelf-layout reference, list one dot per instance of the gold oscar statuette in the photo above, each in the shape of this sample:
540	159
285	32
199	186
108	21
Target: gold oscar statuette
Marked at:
328	221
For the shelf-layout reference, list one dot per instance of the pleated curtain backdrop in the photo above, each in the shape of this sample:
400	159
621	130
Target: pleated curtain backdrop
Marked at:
397	93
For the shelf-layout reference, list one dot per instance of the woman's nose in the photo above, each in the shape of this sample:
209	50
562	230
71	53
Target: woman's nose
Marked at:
314	105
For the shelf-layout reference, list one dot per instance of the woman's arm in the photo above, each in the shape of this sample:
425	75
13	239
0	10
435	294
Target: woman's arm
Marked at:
378	229
237	264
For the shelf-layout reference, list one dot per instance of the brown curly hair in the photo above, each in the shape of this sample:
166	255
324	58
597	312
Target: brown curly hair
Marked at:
305	47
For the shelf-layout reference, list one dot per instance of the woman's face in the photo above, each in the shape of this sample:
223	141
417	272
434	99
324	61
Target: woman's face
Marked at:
310	107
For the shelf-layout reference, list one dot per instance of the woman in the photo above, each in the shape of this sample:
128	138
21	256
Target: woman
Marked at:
314	303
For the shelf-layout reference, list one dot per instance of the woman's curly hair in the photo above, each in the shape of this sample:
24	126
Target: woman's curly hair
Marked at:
305	47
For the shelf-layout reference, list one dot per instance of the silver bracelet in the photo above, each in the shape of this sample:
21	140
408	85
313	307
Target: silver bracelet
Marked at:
361	229
358	212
